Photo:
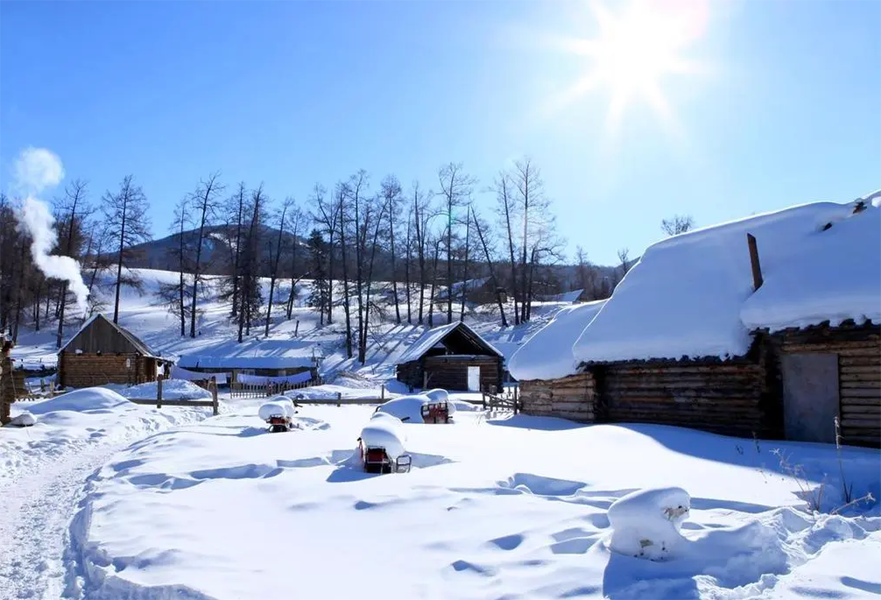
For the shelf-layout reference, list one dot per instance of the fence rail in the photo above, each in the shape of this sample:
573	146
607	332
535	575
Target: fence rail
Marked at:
259	390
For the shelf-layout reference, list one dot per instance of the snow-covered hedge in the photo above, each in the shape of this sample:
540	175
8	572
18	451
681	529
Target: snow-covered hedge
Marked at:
646	523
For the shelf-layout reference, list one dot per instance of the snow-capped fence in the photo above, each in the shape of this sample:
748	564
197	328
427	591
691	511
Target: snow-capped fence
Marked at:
506	402
158	401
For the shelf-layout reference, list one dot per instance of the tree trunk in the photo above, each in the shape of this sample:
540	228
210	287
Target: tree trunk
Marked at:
238	252
346	308
391	223
407	273
119	261
433	279
465	268
511	251
492	272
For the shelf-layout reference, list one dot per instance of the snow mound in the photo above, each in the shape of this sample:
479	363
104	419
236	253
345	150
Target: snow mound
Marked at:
406	408
437	395
646	523
384	433
97	398
25	419
278	406
172	389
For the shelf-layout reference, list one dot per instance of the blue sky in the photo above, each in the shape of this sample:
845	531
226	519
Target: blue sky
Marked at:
783	108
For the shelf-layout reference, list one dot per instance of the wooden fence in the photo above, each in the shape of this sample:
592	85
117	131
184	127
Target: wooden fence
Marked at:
260	390
159	401
502	402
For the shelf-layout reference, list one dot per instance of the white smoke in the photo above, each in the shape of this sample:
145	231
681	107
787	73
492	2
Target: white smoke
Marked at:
37	169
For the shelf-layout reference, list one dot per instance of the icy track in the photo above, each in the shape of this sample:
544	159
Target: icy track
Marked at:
43	470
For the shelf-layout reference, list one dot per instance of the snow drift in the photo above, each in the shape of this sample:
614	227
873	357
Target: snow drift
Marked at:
88	399
647	523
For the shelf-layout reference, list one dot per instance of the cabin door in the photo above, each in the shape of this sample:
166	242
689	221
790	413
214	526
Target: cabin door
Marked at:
473	379
810	396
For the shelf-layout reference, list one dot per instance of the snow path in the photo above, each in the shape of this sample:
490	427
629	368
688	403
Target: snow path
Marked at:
37	508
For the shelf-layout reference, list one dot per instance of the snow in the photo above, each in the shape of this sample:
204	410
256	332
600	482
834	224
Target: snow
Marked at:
24	419
523	507
172	389
646	523
432	337
385	433
85	400
548	353
264	379
832	275
684	296
406	408
252	354
280	406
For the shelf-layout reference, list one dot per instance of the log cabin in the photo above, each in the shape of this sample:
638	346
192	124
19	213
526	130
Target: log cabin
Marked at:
775	337
104	352
453	357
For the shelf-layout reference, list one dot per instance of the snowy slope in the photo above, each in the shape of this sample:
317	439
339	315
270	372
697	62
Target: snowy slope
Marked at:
492	509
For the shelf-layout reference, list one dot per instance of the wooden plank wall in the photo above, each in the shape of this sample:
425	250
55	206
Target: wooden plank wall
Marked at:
572	397
723	398
452	373
99	336
85	370
859	376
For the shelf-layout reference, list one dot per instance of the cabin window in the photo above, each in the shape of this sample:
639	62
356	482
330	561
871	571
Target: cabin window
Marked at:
128	363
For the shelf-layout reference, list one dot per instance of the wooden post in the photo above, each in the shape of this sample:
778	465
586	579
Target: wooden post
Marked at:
214	405
159	392
754	261
339	398
6	397
296	327
382	393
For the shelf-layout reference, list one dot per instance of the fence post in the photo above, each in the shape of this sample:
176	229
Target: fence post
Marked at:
339	398
214	405
382	393
515	401
159	392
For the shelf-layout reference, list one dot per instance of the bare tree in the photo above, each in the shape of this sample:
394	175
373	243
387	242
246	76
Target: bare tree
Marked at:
506	209
172	295
75	205
489	261
327	215
342	195
423	213
128	222
678	224
391	195
456	187
275	258
295	224
235	208
249	294
624	261
204	200
465	264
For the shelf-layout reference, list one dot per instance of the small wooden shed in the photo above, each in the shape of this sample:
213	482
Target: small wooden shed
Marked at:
104	352
453	357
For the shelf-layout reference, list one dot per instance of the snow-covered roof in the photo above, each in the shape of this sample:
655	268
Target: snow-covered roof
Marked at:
470	284
252	354
548	353
435	336
134	340
690	295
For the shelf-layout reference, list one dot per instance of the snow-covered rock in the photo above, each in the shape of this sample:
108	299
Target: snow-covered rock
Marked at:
646	523
278	406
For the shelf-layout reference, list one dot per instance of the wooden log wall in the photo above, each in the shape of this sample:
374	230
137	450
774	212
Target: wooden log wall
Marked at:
572	397
727	398
452	373
86	370
859	375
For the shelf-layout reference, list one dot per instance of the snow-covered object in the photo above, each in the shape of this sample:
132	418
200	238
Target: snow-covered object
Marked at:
302	377
406	408
386	434
548	353
277	407
437	395
24	419
830	275
684	296
646	523
180	373
97	398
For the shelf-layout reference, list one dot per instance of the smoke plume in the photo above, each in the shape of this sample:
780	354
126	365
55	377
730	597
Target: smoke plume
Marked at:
37	169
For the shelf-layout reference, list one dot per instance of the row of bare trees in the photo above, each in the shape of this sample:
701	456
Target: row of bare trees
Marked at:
376	252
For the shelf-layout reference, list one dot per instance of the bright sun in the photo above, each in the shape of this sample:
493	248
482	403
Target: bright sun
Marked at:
636	49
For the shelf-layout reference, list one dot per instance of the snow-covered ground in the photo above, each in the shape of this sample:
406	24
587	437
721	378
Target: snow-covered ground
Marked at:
514	508
42	472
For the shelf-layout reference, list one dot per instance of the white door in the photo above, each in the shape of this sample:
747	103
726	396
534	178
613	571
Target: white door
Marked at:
473	379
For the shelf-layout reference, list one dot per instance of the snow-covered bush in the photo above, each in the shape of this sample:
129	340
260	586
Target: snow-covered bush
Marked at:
646	523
